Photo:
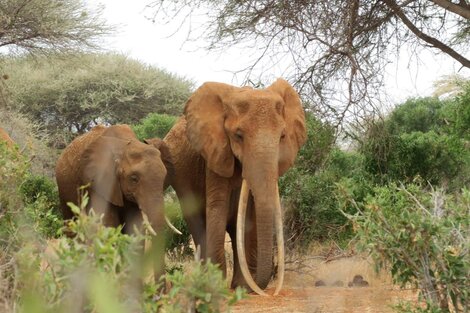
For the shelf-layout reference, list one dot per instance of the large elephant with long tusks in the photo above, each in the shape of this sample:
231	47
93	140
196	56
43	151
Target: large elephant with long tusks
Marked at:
229	150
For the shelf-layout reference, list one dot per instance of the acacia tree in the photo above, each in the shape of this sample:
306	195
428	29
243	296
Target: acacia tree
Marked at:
337	49
69	94
45	26
49	26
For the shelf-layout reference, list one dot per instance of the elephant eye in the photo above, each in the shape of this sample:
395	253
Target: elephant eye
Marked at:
283	135
134	178
239	135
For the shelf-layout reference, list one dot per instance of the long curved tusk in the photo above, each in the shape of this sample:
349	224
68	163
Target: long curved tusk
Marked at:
172	227
242	204
280	243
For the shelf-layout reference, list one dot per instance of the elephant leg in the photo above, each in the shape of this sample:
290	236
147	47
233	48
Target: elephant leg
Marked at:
217	207
250	240
193	209
103	208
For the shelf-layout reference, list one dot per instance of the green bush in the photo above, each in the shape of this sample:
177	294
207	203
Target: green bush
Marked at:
13	169
154	125
320	140
458	114
36	185
417	115
436	158
100	270
41	200
313	201
201	289
177	246
422	236
422	137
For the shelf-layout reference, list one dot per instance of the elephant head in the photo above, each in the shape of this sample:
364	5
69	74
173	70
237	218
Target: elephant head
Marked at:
126	170
262	131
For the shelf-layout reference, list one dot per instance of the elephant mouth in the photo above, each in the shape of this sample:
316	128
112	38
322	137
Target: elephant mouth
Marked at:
241	215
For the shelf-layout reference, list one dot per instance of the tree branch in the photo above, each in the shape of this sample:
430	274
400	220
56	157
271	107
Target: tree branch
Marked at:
431	40
461	10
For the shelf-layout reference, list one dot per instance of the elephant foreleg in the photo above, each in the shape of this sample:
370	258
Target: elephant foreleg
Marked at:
217	206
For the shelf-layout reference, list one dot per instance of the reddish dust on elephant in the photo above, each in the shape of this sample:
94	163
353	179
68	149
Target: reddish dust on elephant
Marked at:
301	295
5	137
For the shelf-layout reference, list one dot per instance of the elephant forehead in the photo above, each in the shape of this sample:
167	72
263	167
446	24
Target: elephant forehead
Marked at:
139	151
256	97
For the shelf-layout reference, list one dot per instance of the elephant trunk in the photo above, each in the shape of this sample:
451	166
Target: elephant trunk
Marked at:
262	181
152	209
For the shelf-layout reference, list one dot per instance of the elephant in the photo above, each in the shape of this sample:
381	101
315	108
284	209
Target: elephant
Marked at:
4	137
229	149
125	179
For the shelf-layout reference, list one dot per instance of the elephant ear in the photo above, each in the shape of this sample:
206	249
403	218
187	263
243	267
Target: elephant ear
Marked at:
205	115
296	133
99	165
165	156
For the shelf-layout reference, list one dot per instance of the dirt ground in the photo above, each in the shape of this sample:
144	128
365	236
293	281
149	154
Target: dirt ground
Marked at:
300	293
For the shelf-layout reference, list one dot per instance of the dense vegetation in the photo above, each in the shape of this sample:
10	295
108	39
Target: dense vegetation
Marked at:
69	94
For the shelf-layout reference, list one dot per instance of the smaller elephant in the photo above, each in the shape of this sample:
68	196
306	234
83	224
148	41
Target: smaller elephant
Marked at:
125	179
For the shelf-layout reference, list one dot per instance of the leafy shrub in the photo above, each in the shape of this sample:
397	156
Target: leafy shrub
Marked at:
320	140
458	114
201	289
100	270
422	137
313	201
417	115
177	246
423	237
41	200
436	158
13	169
154	125
36	185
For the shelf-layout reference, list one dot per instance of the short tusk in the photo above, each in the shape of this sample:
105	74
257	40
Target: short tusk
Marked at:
147	226
172	227
280	243
242	204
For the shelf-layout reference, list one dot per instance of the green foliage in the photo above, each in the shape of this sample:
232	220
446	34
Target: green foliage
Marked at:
78	267
312	200
49	25
13	169
154	125
422	137
437	158
320	139
202	288
36	185
423	237
69	94
41	200
459	114
416	115
100	270
177	246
